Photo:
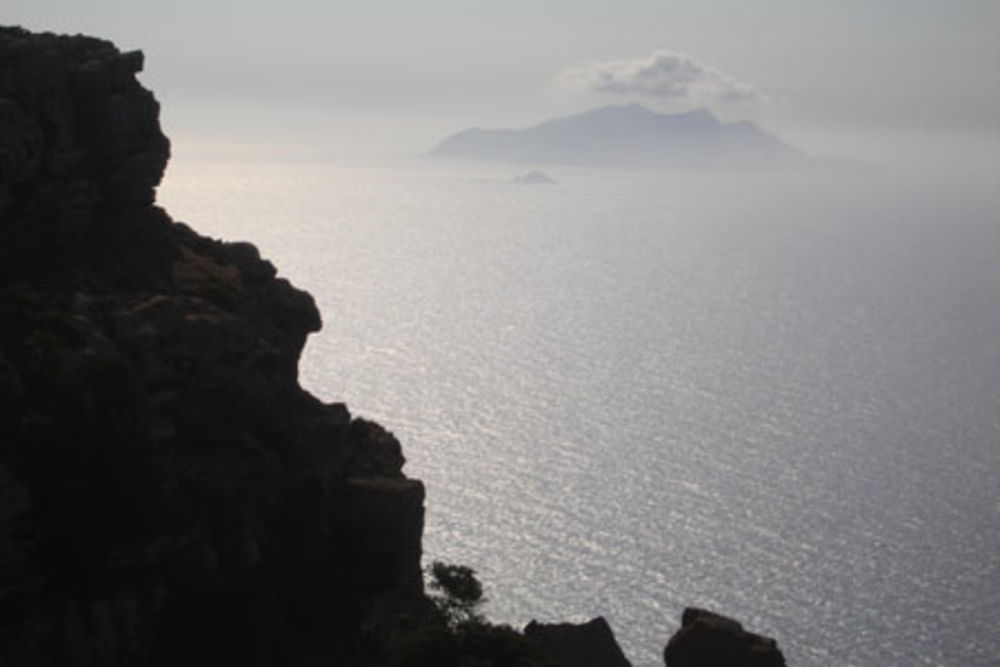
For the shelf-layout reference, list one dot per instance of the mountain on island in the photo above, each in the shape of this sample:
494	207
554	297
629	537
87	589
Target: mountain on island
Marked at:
631	136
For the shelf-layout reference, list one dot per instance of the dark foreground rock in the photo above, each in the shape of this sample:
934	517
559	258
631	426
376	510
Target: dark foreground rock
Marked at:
590	644
707	639
169	494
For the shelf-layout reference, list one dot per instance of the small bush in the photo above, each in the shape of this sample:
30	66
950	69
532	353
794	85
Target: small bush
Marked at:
460	636
458	595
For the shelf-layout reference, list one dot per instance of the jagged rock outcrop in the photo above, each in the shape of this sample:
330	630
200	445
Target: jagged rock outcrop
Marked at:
590	644
169	494
707	639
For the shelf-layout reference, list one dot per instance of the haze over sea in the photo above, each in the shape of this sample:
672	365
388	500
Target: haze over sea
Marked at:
632	392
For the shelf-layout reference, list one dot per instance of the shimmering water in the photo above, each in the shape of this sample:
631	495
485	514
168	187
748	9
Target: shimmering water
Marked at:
629	393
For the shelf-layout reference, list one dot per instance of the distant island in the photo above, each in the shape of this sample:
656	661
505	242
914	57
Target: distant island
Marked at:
534	177
628	136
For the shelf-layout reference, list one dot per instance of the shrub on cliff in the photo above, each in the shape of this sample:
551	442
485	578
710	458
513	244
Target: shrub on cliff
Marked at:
458	595
458	635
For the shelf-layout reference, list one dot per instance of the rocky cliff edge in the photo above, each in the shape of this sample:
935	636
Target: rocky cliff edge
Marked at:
169	494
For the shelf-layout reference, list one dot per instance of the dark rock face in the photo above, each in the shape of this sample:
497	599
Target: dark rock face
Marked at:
707	639
590	644
168	492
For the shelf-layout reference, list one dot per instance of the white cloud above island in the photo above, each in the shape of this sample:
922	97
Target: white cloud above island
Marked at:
661	74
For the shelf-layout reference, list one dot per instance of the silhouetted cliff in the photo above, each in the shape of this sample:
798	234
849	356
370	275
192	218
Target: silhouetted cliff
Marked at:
168	492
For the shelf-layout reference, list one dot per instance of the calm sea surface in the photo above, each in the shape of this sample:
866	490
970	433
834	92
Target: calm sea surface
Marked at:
629	393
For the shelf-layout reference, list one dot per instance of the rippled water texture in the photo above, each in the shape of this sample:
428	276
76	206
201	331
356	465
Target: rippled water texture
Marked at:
629	393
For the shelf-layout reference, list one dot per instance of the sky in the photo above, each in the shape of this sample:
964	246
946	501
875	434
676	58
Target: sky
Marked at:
888	80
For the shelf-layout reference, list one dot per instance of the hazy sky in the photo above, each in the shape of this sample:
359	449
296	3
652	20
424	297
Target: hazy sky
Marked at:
846	76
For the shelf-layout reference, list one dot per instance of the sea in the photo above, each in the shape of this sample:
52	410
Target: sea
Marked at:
630	392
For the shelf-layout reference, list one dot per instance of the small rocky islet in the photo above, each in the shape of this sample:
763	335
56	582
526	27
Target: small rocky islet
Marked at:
169	493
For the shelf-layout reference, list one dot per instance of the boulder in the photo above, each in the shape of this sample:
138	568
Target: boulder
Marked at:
707	639
590	644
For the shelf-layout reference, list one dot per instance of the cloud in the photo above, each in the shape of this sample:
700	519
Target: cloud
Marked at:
664	74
